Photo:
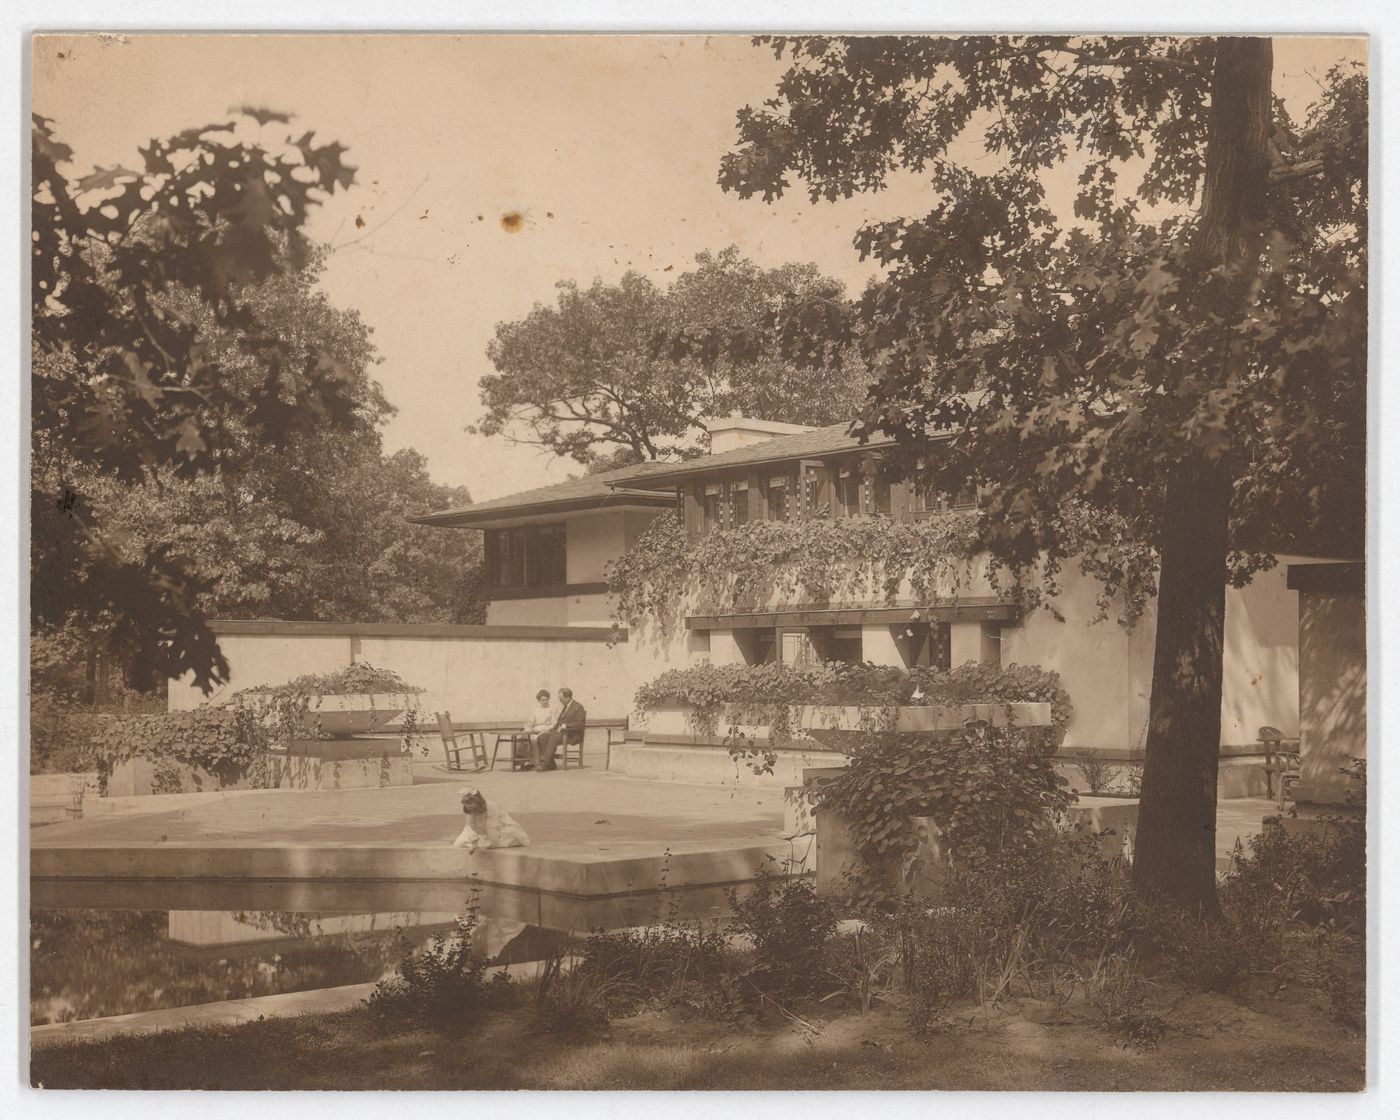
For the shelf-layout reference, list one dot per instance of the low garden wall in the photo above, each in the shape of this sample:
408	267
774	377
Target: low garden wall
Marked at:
478	673
137	777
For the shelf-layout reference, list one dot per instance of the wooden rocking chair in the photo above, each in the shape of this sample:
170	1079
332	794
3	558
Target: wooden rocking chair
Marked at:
476	745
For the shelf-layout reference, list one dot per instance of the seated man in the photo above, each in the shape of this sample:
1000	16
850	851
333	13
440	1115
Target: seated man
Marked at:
568	727
488	825
543	721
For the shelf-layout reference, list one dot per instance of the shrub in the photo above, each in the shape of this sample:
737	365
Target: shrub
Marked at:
229	743
444	985
1099	773
653	964
571	1001
937	951
770	693
791	927
990	791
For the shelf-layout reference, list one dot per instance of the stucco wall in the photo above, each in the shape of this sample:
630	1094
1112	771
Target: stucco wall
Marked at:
475	678
1333	691
1106	669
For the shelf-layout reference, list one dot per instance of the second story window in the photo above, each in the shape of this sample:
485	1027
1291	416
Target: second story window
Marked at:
526	556
712	506
777	498
738	502
848	492
879	494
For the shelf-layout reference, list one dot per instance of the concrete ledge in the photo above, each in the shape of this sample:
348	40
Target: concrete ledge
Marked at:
584	877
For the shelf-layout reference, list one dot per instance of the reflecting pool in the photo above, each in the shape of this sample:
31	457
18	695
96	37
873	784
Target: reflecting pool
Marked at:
111	947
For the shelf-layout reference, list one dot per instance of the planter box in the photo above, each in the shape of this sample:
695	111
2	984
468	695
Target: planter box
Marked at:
137	777
923	872
837	725
360	713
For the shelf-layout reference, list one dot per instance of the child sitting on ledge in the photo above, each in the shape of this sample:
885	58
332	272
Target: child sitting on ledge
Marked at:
488	825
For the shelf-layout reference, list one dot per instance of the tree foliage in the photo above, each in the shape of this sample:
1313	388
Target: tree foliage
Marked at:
1184	352
126	381
586	378
228	462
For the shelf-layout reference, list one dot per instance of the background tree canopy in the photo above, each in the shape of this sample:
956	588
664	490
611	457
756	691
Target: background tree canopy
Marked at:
586	377
1178	364
205	426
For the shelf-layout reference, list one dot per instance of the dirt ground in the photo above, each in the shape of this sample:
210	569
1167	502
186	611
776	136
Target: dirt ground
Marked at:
1213	1042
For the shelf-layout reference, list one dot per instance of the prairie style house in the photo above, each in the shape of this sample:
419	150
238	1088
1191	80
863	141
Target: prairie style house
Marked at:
547	550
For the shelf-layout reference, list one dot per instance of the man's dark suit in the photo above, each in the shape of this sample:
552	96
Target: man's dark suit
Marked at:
572	721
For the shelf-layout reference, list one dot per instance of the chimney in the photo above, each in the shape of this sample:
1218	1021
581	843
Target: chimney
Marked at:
729	432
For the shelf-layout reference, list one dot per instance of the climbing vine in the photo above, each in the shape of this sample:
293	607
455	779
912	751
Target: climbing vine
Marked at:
234	739
771	695
761	564
991	791
816	560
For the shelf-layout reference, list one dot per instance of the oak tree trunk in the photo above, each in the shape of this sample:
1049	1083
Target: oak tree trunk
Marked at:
1174	856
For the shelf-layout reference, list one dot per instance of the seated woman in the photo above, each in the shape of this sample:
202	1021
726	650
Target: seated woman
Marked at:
488	825
541	723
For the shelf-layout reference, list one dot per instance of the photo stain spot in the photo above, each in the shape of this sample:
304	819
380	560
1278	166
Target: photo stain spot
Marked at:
513	222
359	221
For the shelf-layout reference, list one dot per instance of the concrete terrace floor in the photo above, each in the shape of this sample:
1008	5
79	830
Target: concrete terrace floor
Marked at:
576	819
594	836
563	811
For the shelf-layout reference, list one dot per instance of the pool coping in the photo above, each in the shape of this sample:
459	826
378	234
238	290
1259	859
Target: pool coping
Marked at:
585	875
315	1001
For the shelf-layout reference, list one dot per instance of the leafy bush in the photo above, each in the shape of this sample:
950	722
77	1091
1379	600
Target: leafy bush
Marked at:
654	964
444	985
791	927
571	1001
1099	773
993	792
229	743
770	693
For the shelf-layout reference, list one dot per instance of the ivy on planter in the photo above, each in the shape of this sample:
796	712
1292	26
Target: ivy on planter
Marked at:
820	560
287	710
227	742
233	739
991	791
770	694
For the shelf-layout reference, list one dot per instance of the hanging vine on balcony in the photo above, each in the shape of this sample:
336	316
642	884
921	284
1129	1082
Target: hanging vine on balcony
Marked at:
761	563
751	565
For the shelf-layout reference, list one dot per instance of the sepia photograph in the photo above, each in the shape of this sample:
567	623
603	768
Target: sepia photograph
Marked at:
639	561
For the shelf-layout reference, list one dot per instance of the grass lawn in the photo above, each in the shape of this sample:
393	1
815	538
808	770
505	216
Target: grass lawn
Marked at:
1282	1042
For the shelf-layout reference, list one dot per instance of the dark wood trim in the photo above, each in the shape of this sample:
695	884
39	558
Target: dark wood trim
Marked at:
965	611
484	518
552	591
1329	579
232	627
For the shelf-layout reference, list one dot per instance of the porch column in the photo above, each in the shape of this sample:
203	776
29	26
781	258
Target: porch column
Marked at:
975	641
724	649
877	645
1331	677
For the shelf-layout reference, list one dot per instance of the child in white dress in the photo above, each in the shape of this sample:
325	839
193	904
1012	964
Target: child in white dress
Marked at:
488	825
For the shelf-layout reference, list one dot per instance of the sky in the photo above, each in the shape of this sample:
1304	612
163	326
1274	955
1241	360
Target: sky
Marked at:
609	146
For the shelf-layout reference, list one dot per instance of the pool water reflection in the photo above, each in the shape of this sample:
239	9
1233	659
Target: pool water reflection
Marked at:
107	947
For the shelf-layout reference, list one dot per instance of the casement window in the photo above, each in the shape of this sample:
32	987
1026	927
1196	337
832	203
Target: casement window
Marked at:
879	493
848	491
776	497
712	506
527	556
759	646
738	502
837	643
924	644
927	499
